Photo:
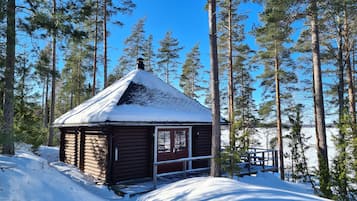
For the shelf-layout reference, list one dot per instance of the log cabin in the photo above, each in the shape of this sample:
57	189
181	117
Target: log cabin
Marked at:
122	131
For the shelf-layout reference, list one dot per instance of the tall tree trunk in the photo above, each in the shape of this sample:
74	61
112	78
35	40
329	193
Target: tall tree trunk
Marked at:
319	101
341	105
278	114
79	82
53	89
230	79
45	118
232	136
351	90
351	94
8	145
341	81
216	132
105	42
95	48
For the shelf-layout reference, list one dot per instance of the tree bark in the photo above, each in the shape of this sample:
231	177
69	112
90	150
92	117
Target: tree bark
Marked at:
95	49
341	81
8	145
351	94
53	89
278	114
230	79
319	101
105	42
216	135
45	117
351	90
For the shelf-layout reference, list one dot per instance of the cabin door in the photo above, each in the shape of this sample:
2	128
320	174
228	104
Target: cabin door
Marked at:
172	143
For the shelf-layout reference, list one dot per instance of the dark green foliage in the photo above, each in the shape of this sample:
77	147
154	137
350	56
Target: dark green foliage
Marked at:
74	87
167	55
134	48
190	79
341	172
28	126
298	144
274	39
149	54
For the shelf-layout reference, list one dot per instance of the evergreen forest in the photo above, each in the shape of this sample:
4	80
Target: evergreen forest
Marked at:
302	68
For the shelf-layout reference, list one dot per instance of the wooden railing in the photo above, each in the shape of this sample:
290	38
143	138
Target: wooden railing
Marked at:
184	165
267	159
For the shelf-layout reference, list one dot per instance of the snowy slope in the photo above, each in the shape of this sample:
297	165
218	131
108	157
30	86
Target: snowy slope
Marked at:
29	177
26	176
151	101
263	188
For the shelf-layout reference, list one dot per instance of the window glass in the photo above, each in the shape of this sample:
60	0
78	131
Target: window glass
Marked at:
164	143
180	140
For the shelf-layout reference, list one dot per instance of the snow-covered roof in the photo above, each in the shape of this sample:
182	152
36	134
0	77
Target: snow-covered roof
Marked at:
140	96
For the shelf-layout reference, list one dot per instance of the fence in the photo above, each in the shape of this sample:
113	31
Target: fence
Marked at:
184	165
265	159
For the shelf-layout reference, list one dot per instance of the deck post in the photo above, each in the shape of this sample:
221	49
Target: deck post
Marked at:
248	163
263	158
155	175
276	158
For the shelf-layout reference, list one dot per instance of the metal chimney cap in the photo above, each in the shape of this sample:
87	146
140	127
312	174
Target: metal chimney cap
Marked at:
140	63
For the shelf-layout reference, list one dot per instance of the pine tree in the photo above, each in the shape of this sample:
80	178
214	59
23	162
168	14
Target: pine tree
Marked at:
134	48
95	48
53	74
214	83
149	54
319	103
111	8
233	57
189	80
298	145
27	121
42	72
245	108
167	55
74	77
335	15
272	37
7	131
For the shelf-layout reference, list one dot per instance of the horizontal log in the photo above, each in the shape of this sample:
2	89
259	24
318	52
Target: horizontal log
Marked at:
94	171
95	163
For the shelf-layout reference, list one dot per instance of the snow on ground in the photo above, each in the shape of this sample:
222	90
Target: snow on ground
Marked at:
27	176
264	135
264	187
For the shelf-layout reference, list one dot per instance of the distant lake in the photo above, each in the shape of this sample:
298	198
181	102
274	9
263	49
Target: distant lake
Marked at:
264	135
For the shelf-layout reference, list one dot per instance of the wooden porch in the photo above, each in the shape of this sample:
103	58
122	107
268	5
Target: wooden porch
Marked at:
253	161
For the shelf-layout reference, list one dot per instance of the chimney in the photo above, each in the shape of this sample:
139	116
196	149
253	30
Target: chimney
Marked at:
140	63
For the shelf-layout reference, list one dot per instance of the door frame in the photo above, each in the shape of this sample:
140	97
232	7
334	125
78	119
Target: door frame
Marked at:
174	127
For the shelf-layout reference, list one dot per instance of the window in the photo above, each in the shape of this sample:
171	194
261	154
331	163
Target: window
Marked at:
180	140
164	141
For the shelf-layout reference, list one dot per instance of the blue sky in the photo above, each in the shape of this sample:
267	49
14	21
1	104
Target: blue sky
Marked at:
188	21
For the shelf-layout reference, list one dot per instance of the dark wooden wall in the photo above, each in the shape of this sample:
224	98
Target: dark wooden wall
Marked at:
201	144
135	145
93	150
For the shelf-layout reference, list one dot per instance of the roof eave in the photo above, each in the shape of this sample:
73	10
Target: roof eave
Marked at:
131	123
